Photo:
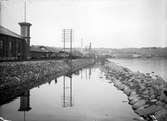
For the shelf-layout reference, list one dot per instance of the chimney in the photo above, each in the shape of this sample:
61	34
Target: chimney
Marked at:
25	33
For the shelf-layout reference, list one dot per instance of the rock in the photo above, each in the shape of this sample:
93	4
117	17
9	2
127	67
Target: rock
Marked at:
122	86
163	96
161	115
2	119
144	90
117	84
139	119
18	79
132	95
142	107
127	90
139	104
162	104
134	100
165	106
153	100
148	110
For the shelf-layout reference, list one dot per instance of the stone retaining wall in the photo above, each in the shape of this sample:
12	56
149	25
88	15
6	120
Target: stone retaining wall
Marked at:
147	93
13	74
17	77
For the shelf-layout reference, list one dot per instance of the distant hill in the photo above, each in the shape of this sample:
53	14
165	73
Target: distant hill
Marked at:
133	52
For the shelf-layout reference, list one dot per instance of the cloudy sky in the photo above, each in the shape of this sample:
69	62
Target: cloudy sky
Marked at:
105	23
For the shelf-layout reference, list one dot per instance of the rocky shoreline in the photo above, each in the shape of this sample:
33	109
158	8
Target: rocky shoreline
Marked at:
16	77
147	93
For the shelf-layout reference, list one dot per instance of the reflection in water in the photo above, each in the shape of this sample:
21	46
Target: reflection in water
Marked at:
94	100
67	92
25	103
67	87
86	75
90	72
49	82
55	80
81	74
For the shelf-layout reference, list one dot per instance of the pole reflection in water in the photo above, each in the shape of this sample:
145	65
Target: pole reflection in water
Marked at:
56	102
81	74
71	92
25	103
90	72
49	82
86	75
67	92
55	80
67	87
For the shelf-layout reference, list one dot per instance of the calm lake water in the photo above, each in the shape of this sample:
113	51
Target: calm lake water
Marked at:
87	96
147	65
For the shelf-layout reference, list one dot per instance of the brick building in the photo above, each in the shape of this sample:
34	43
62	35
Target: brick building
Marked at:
12	45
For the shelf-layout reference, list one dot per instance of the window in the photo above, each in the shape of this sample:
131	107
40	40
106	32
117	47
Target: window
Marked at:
10	49
10	45
1	48
1	44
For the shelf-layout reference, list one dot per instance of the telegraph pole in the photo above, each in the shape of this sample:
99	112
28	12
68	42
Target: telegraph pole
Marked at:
64	40
71	42
25	31
67	37
81	44
1	11
90	46
25	10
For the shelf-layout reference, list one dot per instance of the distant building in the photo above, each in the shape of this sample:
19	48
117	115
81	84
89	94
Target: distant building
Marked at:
42	52
39	52
12	45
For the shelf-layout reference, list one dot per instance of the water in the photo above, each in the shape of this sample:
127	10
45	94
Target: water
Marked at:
148	65
87	96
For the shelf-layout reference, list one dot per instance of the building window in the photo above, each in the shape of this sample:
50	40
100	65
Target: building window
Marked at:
10	49
1	48
1	44
10	46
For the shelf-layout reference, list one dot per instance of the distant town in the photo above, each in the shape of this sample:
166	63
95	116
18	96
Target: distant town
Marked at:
148	52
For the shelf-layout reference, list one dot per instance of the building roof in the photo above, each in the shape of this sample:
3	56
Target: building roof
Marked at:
46	49
37	48
5	31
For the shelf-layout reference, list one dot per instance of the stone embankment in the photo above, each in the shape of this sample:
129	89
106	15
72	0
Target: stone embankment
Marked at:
16	77
147	93
20	72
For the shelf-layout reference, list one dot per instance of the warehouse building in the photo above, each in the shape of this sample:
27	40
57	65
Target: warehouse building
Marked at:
12	45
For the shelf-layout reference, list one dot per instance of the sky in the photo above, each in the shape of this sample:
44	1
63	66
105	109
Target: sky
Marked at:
104	23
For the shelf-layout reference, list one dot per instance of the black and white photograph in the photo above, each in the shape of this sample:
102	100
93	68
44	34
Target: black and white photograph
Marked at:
83	60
